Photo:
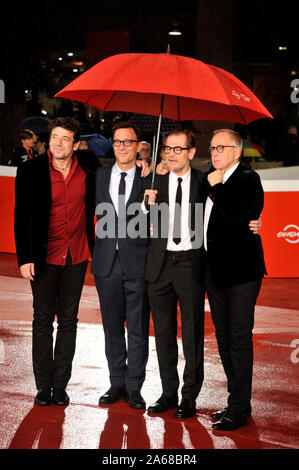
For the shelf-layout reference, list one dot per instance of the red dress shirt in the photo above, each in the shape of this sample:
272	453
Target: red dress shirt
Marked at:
67	225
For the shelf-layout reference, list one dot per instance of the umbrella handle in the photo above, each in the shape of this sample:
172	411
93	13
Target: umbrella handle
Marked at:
147	206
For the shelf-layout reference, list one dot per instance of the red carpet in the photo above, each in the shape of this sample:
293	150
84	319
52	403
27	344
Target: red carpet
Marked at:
84	425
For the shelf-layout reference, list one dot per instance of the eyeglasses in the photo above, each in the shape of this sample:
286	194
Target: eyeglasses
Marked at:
177	150
220	148
126	142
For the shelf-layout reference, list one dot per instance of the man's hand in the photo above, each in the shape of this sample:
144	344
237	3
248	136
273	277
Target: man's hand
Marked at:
255	225
145	168
215	177
151	193
27	271
162	168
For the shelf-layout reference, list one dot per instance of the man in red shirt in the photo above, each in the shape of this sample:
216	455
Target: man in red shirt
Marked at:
54	234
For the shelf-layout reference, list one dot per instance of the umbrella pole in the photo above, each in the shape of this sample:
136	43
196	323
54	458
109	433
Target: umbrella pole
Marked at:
155	151
155	157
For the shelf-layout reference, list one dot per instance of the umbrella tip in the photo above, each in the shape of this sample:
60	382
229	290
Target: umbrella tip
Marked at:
168	48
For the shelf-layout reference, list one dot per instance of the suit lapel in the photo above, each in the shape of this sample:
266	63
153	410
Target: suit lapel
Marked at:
193	198
193	187
137	185
106	184
164	189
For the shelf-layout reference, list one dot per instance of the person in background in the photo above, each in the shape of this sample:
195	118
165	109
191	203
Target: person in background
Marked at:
25	151
42	143
84	150
145	152
290	150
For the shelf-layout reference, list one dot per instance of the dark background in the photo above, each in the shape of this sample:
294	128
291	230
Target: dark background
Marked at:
241	36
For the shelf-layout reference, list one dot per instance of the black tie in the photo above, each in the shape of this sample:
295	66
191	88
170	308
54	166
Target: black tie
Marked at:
177	214
120	223
122	184
121	195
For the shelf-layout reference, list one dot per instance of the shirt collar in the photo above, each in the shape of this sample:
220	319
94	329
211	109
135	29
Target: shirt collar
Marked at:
74	158
118	171
184	177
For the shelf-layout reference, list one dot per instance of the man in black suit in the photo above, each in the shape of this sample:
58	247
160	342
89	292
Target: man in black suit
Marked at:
175	273
118	265
235	268
54	235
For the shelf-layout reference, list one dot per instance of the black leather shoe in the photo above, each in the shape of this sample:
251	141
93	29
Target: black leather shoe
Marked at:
218	414
112	395
135	400
230	421
163	404
43	397
60	397
186	409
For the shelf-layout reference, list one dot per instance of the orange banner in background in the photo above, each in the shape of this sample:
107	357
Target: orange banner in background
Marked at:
280	233
7	204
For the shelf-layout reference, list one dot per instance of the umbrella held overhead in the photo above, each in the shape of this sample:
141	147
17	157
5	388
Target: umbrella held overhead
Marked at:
192	89
177	87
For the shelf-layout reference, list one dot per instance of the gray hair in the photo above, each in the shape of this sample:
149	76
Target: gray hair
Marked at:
235	137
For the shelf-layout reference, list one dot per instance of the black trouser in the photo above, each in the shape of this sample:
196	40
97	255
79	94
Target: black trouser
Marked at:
56	292
124	301
176	282
232	310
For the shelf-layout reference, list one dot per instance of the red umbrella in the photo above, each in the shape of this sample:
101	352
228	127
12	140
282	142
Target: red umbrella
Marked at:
178	87
192	89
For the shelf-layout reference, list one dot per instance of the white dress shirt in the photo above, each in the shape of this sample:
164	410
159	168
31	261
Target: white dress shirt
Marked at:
209	205
185	243
114	184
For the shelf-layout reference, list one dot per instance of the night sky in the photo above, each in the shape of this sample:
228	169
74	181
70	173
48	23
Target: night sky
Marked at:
34	34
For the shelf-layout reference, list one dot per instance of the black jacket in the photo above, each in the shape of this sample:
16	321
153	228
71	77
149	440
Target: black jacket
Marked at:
32	209
235	254
20	156
157	250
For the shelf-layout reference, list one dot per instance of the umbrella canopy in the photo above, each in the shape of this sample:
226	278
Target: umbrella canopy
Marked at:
98	144
37	124
148	124
251	149
190	88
